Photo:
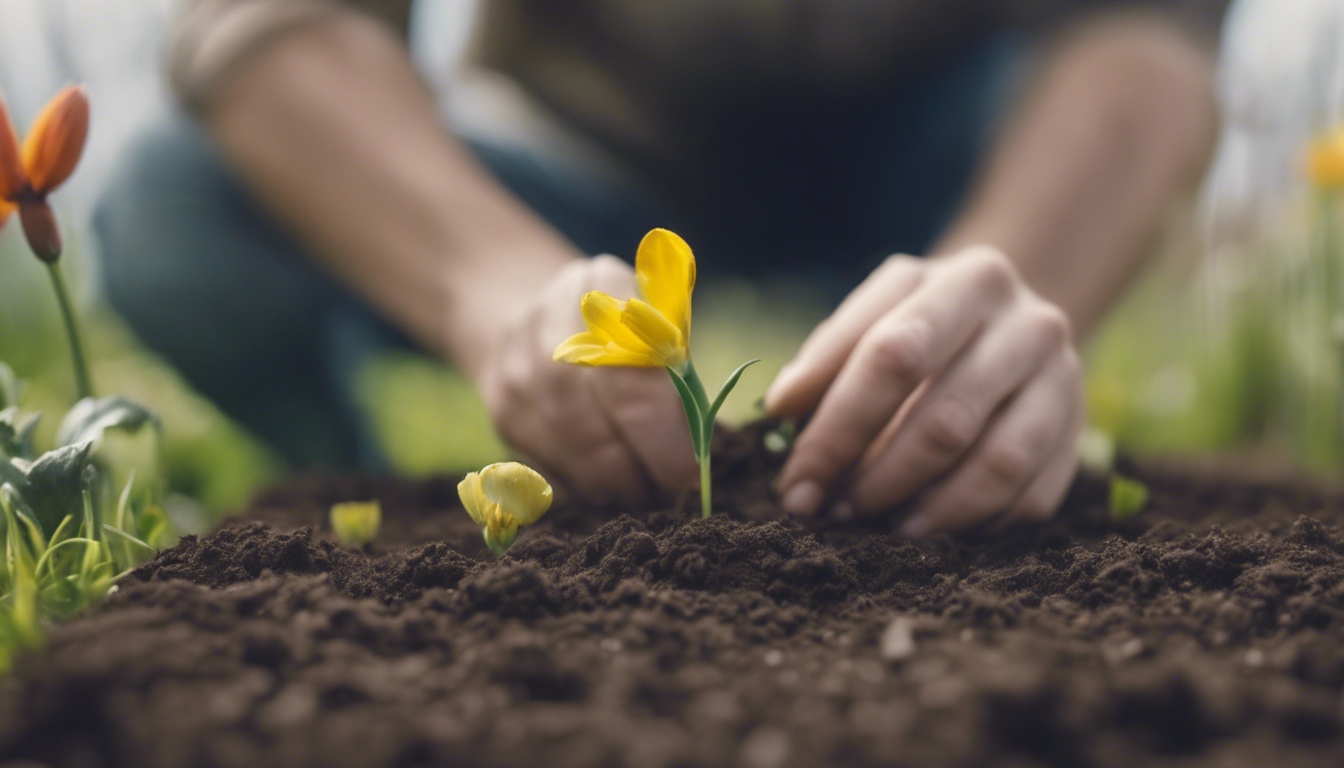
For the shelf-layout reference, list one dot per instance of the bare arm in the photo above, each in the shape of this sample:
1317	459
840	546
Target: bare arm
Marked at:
334	132
1121	121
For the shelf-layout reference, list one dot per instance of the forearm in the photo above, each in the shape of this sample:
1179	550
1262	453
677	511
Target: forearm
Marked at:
1120	123
336	135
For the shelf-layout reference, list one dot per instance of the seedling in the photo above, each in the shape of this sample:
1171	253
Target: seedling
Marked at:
501	498
655	332
1128	498
356	523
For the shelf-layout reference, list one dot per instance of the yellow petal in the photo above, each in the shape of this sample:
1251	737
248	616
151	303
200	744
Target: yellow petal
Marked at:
588	348
656	331
521	493
602	316
665	270
474	500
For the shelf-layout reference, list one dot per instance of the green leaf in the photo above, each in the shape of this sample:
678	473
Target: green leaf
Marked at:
725	389
1128	498
692	409
90	417
54	484
16	433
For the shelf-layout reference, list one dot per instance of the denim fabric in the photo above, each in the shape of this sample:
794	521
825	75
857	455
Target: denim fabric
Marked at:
210	282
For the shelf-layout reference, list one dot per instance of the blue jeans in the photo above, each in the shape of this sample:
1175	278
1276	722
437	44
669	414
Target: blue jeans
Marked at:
209	281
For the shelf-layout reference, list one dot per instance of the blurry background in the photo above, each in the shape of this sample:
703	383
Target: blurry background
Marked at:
1234	342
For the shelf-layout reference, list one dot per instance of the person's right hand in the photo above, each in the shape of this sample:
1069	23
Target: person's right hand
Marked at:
612	434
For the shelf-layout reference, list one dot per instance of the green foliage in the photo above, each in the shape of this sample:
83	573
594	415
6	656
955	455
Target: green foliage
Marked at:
700	413
66	537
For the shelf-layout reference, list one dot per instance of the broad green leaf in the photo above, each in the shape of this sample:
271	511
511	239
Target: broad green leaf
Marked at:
55	483
725	389
90	417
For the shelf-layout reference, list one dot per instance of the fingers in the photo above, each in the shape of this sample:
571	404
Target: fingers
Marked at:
1020	443
1042	498
946	419
903	348
801	383
645	414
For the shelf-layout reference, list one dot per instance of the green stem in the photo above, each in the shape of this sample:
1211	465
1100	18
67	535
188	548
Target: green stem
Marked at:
706	435
82	380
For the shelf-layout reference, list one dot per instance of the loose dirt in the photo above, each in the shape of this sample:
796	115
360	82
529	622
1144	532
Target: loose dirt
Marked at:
1209	631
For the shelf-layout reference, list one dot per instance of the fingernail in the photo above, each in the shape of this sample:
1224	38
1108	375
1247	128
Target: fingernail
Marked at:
803	498
916	526
780	385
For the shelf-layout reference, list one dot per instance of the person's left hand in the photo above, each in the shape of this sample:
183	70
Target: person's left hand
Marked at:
948	378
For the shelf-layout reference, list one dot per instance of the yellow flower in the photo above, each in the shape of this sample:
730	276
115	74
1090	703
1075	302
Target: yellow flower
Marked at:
651	333
1325	160
502	497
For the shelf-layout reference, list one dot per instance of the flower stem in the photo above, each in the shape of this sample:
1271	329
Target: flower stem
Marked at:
697	389
82	380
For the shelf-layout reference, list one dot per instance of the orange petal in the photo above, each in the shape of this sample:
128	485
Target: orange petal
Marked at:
56	140
6	209
11	168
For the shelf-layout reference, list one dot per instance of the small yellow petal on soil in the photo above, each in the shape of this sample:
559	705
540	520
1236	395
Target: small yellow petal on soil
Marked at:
356	522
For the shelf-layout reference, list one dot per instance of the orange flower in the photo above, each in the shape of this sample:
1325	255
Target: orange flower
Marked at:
48	156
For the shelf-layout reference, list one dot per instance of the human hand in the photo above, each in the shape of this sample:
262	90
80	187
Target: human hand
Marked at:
948	378
613	434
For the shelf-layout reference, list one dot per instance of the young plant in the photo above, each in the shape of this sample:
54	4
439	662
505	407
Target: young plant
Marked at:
356	523
655	332
27	175
501	498
64	538
1127	498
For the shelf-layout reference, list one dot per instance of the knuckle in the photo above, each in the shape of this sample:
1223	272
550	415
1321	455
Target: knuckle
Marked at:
1053	325
1007	467
826	455
903	353
948	428
993	270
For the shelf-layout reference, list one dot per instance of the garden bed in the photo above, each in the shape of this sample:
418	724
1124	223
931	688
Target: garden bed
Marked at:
1207	631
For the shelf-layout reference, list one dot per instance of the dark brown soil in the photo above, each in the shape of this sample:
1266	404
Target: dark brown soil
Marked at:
1208	632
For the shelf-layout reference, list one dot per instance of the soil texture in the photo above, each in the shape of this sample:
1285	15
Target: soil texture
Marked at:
1208	631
